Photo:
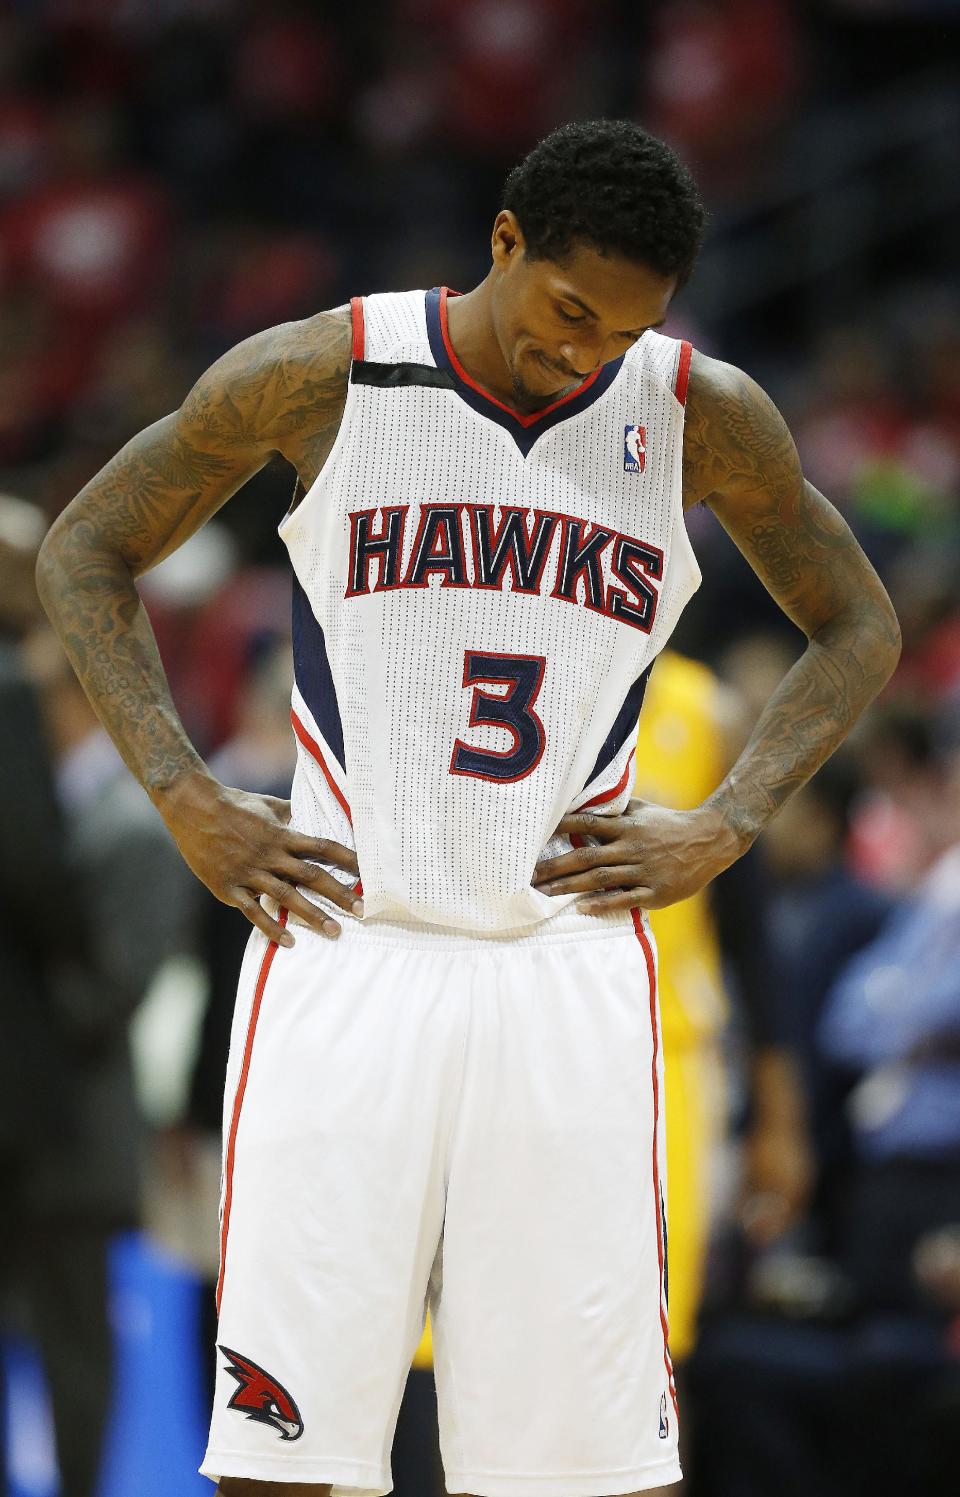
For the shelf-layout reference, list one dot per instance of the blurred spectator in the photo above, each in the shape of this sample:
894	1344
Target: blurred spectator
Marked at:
93	901
899	828
506	69
720	77
925	587
92	235
47	1276
821	913
865	1332
287	67
137	898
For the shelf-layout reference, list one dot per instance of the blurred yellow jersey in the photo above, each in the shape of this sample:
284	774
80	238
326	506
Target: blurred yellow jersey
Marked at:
681	759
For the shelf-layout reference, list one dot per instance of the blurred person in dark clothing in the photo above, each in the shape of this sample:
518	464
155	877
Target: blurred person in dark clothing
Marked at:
863	1329
41	924
137	907
892	1021
94	897
899	830
821	913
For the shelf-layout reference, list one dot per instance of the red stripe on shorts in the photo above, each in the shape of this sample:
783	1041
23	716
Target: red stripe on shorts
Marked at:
264	973
657	1203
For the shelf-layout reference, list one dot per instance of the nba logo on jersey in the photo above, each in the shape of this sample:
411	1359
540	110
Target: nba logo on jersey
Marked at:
634	448
664	1421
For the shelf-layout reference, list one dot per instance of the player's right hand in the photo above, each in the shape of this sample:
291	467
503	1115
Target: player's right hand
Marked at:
242	846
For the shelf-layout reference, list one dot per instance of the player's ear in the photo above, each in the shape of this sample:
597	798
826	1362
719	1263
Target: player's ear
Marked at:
507	239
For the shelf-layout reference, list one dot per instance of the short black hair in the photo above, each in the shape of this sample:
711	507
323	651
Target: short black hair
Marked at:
614	185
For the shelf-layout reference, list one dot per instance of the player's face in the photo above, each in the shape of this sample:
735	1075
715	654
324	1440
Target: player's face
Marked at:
558	322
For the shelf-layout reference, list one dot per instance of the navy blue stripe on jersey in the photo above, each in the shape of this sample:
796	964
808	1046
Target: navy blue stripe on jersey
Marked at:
524	429
624	726
311	670
393	376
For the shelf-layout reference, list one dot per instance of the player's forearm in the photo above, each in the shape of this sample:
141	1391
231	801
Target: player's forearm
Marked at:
90	596
846	663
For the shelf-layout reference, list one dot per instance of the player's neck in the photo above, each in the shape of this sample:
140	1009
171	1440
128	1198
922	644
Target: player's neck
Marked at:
470	326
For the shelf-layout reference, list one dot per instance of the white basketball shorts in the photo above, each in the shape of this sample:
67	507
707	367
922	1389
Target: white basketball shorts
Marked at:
421	1118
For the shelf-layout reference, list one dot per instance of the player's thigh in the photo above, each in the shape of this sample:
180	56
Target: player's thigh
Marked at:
552	1267
239	1486
327	1242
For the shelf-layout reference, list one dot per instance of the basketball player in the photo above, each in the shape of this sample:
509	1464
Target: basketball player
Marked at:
459	1101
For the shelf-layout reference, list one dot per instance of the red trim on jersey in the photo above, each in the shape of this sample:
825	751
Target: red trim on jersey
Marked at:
522	420
683	372
605	795
264	973
356	317
313	748
657	1203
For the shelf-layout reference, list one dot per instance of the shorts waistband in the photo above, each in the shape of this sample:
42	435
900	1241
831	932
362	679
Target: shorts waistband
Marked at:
567	926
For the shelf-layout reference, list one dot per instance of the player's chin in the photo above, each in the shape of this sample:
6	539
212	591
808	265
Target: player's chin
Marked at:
548	381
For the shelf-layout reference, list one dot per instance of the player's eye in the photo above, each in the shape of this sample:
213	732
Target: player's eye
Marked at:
570	316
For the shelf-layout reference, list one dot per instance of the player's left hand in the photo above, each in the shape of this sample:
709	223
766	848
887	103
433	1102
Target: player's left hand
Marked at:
649	857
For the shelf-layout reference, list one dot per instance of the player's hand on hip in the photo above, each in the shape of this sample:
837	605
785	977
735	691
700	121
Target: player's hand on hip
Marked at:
649	857
242	846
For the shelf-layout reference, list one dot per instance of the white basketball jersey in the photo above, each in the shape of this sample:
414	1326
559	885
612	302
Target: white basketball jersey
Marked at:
479	597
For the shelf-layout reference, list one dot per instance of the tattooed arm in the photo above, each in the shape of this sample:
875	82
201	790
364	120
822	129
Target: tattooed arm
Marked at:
740	459
280	392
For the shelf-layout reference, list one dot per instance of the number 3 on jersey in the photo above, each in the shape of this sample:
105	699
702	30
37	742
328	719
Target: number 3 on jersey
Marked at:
511	710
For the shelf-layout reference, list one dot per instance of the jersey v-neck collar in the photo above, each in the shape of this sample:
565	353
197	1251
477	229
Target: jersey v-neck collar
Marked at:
525	429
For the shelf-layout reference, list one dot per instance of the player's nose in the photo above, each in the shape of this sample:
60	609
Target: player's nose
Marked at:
583	356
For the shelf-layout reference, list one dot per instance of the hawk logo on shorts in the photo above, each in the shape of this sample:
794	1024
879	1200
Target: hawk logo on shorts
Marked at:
634	448
261	1398
664	1421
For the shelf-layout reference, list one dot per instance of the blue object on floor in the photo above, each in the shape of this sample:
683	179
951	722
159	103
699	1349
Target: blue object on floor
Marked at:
158	1427
27	1443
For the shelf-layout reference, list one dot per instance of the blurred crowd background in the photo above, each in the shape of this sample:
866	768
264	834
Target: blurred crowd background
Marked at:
176	174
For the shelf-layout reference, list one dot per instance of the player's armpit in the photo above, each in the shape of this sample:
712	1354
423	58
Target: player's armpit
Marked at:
740	458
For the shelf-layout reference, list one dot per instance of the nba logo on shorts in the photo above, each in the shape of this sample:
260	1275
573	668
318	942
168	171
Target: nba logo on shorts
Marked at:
634	448
664	1421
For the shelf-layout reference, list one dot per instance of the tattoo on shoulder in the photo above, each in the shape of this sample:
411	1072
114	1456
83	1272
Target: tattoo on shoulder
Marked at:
739	457
734	437
286	387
